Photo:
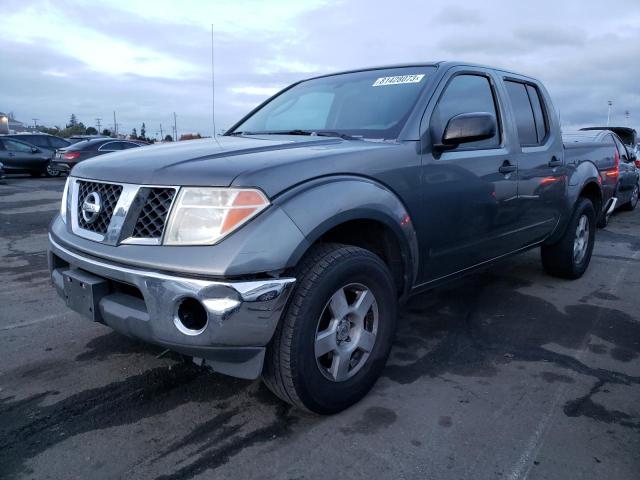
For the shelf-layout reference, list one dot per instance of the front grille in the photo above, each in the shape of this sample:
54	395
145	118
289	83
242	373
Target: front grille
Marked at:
109	194
153	215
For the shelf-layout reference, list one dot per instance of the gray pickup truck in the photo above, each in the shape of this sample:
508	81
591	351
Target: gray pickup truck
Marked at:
283	248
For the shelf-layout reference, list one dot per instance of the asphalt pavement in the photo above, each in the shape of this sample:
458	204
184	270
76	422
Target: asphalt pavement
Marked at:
507	374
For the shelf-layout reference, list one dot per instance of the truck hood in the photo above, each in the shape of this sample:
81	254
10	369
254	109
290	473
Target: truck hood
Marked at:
269	162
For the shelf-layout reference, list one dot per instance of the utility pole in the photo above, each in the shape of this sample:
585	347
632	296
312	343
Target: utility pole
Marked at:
609	112
161	136
627	115
213	90
175	128
98	120
35	122
115	124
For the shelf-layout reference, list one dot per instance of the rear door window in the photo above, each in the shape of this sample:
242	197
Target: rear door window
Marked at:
37	140
523	112
57	142
466	93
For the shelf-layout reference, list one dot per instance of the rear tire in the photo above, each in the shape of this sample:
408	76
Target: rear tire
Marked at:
633	201
570	256
51	171
318	319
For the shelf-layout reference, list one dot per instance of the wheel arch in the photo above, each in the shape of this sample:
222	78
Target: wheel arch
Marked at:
362	213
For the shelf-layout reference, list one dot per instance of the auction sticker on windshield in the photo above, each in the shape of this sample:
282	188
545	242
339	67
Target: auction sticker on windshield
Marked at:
382	81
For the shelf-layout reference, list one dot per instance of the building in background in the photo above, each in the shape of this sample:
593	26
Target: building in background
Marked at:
4	123
14	126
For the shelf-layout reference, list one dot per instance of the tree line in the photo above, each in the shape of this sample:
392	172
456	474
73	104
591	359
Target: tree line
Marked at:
75	127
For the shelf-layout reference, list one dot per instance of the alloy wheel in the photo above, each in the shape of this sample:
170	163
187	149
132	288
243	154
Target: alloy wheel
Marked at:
581	240
346	332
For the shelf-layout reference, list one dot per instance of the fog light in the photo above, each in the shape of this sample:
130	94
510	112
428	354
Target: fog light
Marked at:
191	317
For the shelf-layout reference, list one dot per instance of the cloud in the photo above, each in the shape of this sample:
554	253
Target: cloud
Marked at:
256	90
146	60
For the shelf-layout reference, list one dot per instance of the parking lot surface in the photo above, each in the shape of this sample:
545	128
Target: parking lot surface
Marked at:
507	374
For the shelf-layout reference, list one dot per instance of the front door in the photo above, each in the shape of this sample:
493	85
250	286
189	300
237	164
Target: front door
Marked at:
470	192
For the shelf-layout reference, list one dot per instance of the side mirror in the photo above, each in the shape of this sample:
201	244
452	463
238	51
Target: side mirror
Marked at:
468	127
34	150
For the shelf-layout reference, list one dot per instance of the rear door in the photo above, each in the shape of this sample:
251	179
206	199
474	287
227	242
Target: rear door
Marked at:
542	180
469	192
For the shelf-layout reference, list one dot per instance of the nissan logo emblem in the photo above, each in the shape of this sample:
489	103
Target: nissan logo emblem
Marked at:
91	207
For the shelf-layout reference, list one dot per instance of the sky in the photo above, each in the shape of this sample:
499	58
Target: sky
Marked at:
148	59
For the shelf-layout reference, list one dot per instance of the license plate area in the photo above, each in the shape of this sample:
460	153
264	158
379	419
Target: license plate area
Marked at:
83	291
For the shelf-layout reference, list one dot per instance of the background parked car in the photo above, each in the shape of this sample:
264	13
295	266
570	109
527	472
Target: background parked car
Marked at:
628	180
42	140
22	157
48	144
66	158
629	137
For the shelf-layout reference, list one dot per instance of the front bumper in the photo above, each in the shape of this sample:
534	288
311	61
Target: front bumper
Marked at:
241	316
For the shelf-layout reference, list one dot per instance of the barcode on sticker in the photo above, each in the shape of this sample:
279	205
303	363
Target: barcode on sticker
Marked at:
400	79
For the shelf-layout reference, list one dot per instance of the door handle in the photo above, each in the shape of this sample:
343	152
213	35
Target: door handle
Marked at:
554	162
507	167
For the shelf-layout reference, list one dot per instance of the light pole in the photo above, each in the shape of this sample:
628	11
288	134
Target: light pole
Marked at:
609	112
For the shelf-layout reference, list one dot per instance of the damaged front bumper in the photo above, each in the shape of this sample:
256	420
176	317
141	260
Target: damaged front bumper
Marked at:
225	324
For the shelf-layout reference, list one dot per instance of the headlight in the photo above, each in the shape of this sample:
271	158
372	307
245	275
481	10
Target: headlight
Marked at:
63	203
203	216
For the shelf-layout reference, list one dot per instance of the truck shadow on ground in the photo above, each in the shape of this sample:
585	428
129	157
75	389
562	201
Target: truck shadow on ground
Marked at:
470	329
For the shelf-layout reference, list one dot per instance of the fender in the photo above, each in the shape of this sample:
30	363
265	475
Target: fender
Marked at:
321	204
578	177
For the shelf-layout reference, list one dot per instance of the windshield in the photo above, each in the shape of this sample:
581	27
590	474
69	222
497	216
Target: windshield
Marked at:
369	104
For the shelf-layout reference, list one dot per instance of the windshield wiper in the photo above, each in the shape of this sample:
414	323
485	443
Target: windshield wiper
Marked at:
337	134
311	133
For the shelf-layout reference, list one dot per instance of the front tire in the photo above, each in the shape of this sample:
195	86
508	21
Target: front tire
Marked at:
570	256
334	339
